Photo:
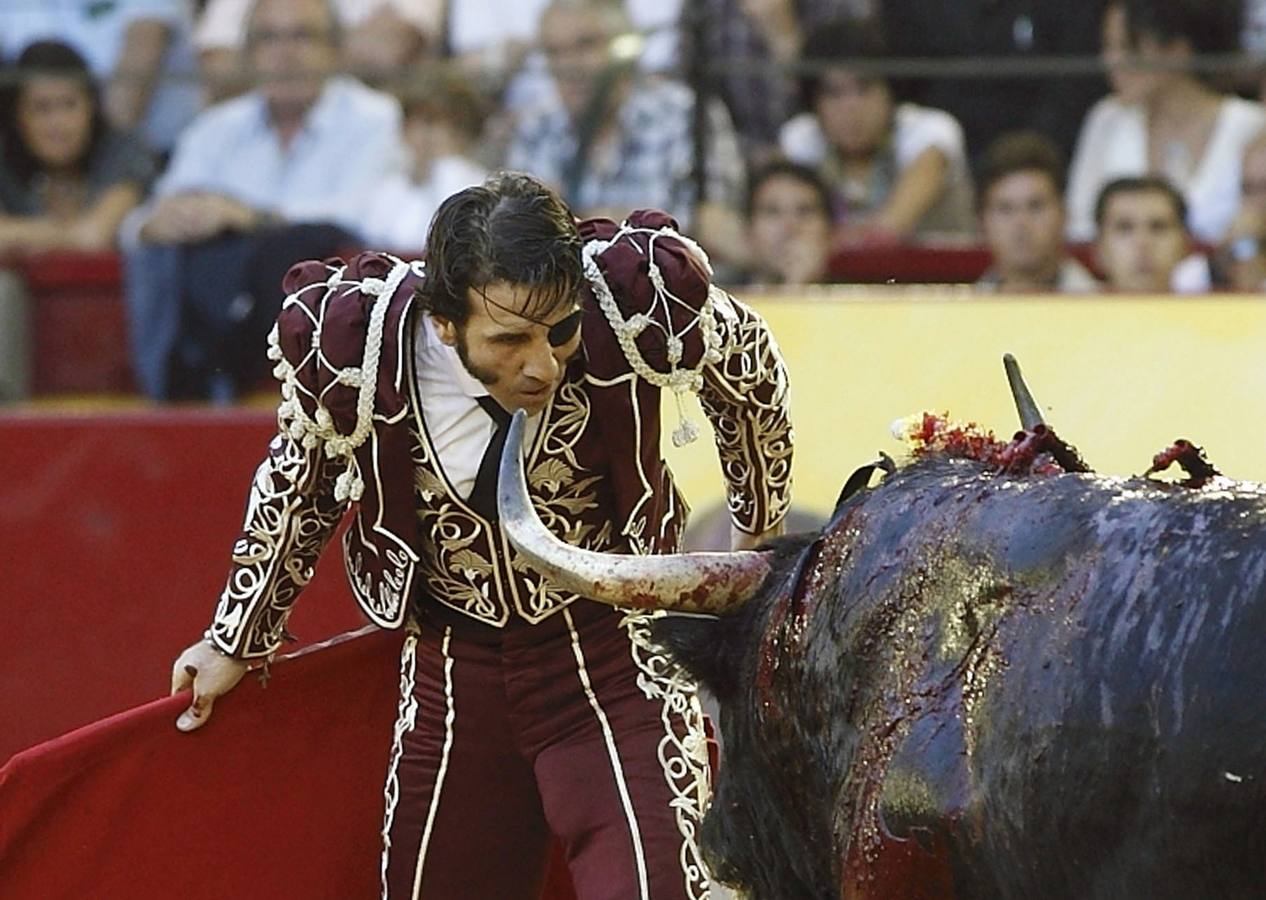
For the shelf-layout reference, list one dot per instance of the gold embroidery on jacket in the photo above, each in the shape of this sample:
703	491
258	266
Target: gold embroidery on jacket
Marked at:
287	524
466	564
683	750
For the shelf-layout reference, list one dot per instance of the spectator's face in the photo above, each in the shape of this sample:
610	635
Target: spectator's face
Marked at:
789	232
54	119
431	137
763	10
292	49
1126	63
855	112
577	45
1141	241
512	356
1023	223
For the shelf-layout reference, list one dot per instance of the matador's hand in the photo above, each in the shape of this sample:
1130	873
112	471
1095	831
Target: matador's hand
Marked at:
211	674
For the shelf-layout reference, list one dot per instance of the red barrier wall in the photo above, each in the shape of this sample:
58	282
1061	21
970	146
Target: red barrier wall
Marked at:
115	533
78	322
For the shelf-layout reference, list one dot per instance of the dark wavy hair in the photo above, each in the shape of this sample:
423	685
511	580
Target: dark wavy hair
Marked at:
859	46
511	228
45	58
1142	184
785	168
1210	26
1021	151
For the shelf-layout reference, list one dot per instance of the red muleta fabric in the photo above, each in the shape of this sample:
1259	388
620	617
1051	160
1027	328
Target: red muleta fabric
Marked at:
279	796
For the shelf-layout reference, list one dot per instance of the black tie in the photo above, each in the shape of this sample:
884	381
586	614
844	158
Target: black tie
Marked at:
483	497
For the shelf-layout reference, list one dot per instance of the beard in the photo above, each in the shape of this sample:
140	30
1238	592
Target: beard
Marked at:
483	376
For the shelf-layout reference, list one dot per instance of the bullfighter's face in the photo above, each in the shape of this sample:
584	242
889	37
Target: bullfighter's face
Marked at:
518	357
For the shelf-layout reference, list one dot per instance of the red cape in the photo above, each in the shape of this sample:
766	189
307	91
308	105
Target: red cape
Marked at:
279	796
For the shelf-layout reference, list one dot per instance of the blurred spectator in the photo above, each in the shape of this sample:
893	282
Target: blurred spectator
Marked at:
284	172
67	179
443	118
139	48
1161	118
1253	43
498	45
788	226
380	38
987	103
1242	256
15	340
752	47
1143	242
1022	218
495	38
894	169
1253	27
612	139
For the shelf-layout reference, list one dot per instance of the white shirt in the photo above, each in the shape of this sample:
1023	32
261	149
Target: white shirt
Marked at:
1192	275
459	428
914	129
401	209
350	142
1113	144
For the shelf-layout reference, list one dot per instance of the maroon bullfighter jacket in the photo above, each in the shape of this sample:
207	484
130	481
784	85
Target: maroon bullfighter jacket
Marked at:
352	433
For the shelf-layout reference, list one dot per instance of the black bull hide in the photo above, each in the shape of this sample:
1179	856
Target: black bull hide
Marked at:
980	686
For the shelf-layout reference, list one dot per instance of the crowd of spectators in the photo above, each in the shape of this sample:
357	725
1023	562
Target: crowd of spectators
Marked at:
213	142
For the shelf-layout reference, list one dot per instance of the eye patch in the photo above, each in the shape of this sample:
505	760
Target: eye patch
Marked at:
565	329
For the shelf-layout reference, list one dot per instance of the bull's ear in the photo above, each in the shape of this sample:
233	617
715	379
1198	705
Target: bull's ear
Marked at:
860	479
697	643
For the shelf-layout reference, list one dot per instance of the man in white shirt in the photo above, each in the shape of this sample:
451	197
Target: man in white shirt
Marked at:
250	180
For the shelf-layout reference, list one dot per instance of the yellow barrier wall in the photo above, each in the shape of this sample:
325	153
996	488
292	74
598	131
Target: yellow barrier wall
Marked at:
1119	377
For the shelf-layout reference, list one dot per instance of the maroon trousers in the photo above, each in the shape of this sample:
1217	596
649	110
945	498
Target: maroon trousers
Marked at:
575	727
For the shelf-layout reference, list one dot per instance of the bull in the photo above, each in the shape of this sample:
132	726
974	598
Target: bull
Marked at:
984	677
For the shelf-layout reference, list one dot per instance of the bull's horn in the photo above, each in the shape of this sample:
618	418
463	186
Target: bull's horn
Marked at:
1030	415
685	582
